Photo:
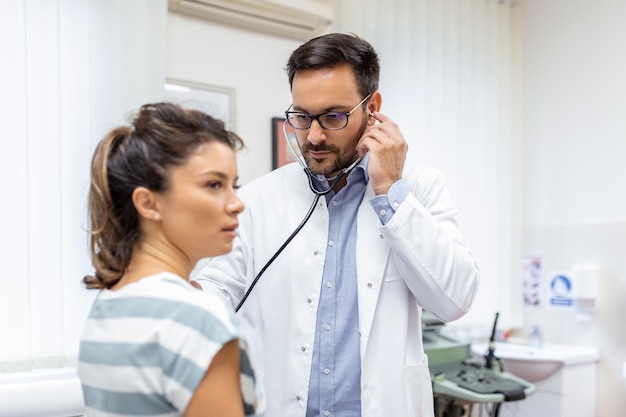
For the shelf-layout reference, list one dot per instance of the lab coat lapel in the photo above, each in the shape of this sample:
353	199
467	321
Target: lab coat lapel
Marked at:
372	257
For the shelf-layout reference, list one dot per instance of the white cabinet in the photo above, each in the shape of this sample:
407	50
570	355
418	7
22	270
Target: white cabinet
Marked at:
564	377
569	392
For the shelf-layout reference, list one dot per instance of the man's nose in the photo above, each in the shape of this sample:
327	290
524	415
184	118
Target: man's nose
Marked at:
316	134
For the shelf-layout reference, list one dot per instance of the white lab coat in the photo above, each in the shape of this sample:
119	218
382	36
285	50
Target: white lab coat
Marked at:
417	260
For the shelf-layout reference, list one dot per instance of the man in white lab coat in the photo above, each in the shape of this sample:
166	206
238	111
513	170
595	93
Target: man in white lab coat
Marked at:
335	321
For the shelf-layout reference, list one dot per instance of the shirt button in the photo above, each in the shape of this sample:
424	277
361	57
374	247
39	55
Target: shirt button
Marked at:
383	212
303	348
334	202
381	236
369	285
308	300
331	243
326	371
329	284
316	253
326	413
396	204
327	327
297	398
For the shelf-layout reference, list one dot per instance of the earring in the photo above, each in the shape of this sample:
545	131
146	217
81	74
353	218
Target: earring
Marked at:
157	216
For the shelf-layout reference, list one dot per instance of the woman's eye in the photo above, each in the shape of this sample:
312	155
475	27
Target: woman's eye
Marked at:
215	185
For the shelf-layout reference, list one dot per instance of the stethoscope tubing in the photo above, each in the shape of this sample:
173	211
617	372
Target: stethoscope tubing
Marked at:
282	247
318	194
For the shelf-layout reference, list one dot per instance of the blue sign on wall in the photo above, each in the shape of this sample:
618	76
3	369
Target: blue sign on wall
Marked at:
561	291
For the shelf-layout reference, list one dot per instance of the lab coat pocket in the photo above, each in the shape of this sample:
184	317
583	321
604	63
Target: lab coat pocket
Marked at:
391	272
389	278
419	393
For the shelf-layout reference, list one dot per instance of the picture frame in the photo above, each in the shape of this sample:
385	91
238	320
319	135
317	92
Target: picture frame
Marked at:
281	152
215	100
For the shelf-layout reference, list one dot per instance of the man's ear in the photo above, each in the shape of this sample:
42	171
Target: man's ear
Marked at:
145	203
374	104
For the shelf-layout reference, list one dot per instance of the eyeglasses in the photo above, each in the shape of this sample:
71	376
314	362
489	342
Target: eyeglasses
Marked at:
329	120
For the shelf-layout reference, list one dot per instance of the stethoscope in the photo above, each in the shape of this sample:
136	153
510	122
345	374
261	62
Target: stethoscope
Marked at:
295	149
318	193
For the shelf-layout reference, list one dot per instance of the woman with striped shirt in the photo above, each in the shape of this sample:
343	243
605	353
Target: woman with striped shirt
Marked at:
162	197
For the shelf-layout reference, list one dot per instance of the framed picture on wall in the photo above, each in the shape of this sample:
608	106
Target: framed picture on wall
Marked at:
214	100
281	153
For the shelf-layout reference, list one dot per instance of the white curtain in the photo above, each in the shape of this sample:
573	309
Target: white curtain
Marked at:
71	70
448	79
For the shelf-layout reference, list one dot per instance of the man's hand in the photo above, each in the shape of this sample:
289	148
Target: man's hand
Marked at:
387	149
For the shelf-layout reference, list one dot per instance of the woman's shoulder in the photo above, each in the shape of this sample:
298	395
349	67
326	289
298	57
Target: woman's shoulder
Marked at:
208	299
168	296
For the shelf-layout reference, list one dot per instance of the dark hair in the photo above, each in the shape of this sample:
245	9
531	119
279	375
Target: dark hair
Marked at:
161	136
337	49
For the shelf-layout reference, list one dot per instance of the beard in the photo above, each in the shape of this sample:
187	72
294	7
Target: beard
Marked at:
339	160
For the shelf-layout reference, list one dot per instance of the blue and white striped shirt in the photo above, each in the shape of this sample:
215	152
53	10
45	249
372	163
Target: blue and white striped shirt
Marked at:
146	347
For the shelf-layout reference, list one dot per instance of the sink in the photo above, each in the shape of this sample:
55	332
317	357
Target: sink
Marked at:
537	363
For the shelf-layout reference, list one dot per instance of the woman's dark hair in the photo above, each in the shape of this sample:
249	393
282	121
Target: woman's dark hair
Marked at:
337	49
161	136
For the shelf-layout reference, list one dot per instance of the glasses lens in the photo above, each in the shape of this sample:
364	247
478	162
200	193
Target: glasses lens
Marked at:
334	120
299	120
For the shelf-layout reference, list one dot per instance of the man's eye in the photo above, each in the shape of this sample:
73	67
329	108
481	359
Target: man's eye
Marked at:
334	117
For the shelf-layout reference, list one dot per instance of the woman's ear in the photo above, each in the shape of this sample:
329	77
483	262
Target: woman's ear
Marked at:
145	203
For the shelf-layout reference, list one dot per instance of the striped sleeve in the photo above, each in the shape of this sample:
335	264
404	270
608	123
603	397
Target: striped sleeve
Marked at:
145	351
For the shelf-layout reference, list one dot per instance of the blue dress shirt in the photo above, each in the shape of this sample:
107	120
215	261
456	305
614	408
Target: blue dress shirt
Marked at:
334	386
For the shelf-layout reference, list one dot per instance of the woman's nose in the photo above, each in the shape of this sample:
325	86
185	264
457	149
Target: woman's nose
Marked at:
235	205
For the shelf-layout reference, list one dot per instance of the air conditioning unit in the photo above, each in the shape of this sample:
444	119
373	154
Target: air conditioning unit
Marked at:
301	20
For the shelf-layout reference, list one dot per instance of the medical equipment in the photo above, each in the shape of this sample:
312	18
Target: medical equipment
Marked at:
460	381
300	158
318	194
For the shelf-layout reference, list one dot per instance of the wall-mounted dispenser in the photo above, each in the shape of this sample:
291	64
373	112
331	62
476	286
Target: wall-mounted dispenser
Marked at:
585	279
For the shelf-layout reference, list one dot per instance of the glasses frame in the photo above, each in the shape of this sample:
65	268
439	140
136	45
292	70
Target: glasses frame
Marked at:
317	116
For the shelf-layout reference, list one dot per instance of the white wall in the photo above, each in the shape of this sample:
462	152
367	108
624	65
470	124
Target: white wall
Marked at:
250	62
575	111
575	143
